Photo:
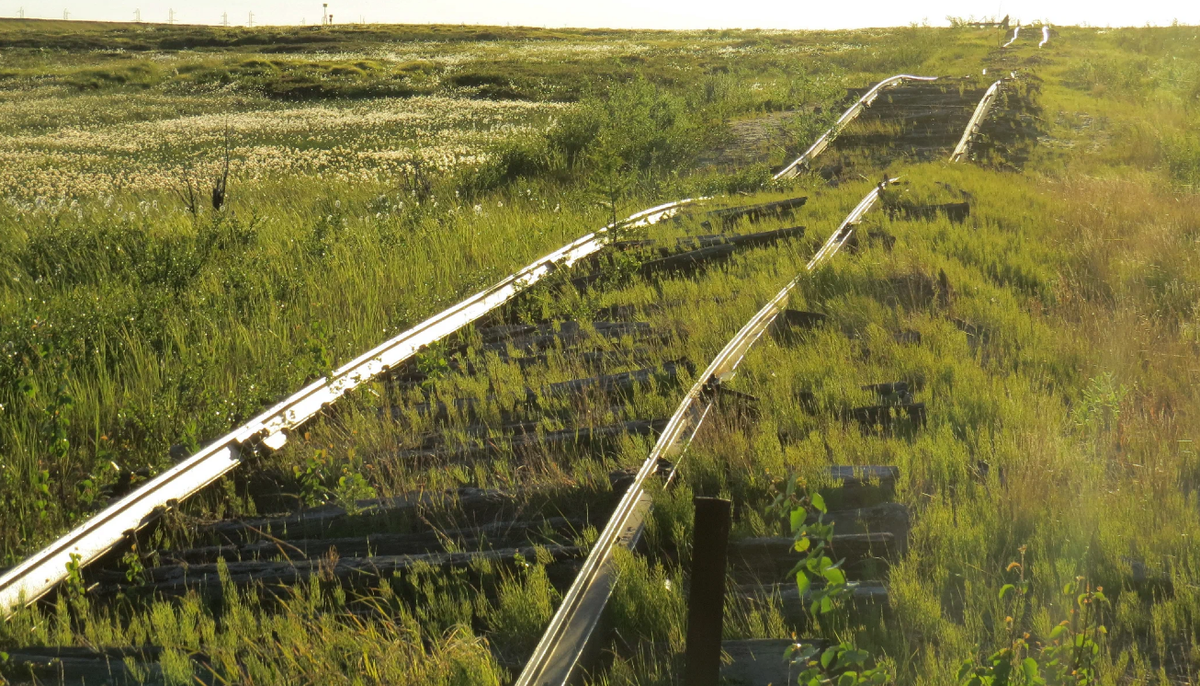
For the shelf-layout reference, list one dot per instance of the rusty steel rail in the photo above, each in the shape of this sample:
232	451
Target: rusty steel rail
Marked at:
573	630
39	573
981	111
848	116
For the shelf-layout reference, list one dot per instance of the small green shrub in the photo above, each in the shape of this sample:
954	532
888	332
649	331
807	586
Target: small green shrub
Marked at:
1071	655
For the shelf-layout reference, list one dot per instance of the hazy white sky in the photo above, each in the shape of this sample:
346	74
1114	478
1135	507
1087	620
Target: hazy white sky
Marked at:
666	14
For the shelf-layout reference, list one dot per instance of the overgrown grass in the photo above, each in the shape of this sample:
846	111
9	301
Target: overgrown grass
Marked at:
1057	369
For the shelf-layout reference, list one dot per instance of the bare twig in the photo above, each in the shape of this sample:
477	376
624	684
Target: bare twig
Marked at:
218	192
189	197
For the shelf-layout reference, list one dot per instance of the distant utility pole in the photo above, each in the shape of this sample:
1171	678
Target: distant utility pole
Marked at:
66	15
251	22
137	15
21	13
324	13
224	19
171	16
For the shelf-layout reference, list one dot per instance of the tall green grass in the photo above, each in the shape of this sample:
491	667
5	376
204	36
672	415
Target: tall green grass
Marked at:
1057	370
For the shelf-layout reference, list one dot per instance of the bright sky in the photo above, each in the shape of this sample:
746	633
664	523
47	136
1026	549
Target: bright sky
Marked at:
661	14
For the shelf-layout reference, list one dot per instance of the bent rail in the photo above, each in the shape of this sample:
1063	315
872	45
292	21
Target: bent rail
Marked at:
981	111
557	656
39	573
848	116
1016	32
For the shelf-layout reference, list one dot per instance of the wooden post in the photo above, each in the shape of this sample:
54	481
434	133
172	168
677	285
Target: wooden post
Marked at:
706	599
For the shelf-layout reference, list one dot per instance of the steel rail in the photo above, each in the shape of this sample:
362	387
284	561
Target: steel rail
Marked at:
981	111
39	573
848	116
556	659
1016	32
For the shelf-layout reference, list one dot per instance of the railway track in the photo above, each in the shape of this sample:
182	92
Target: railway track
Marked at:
503	430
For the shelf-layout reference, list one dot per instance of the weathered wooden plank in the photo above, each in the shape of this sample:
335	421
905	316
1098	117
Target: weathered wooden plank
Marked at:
367	545
174	579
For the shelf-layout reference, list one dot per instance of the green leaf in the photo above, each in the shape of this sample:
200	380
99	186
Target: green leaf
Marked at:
803	583
1005	589
1030	667
826	605
854	656
801	652
797	518
834	576
819	503
802	544
829	657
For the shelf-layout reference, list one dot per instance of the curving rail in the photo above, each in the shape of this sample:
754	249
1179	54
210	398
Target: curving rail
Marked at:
1016	32
981	111
556	659
848	116
569	638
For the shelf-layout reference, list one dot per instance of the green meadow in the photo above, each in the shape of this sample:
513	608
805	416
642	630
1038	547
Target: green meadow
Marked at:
379	174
